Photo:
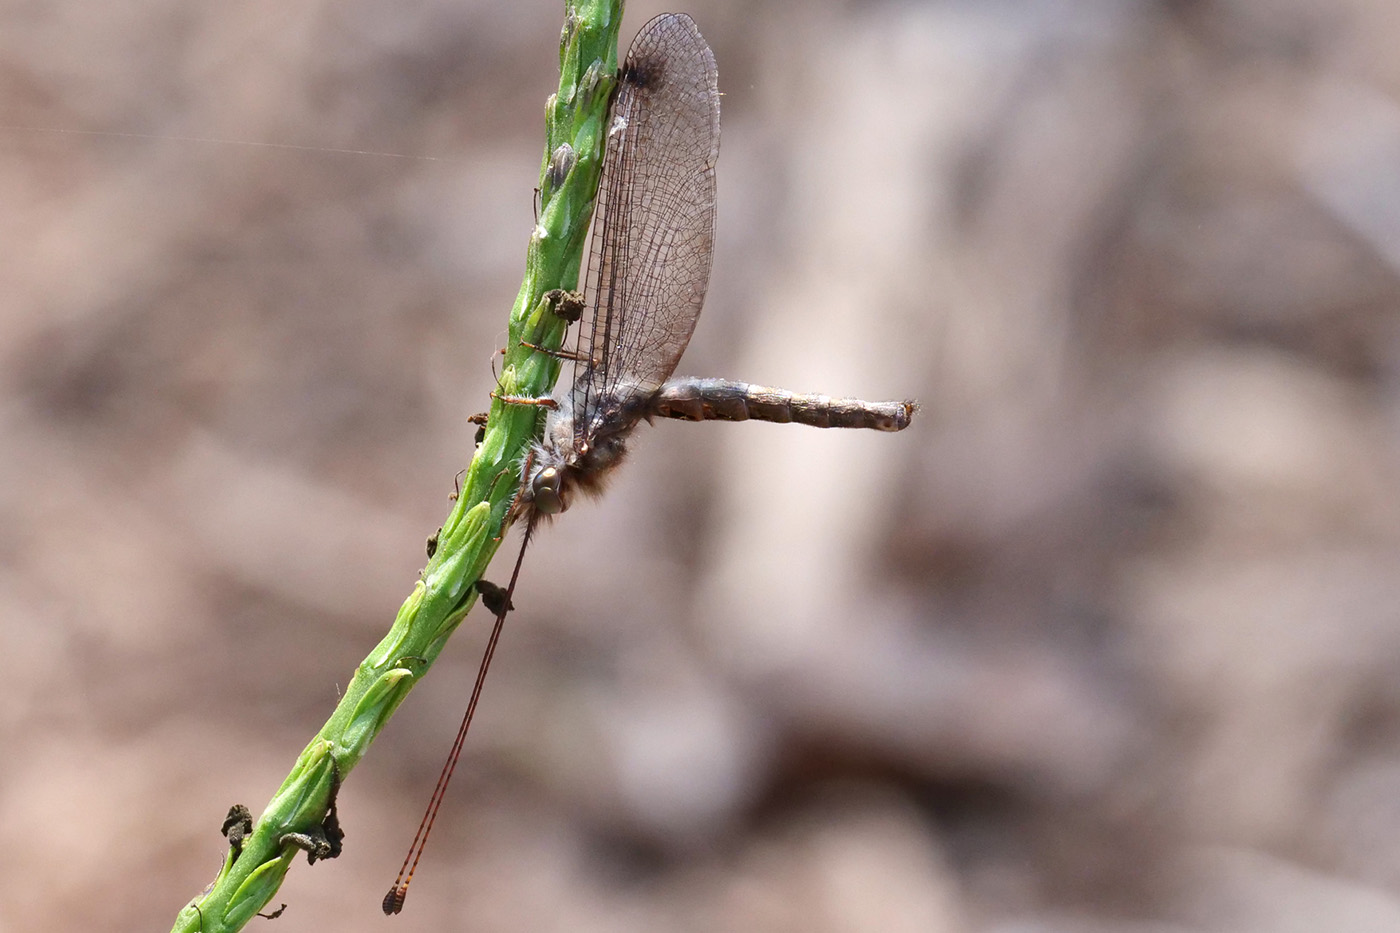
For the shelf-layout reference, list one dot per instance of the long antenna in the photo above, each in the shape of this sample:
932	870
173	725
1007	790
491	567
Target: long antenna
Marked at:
393	901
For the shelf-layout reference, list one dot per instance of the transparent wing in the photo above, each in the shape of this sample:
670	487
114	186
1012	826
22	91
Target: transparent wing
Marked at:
653	229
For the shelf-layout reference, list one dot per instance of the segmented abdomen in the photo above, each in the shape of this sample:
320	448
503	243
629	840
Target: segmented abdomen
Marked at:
725	400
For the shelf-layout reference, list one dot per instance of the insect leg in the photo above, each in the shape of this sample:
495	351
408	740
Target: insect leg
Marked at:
542	402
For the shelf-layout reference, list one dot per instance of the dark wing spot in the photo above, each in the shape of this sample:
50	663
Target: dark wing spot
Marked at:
644	71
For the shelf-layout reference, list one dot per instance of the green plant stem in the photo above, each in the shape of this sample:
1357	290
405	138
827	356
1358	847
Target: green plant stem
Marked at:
576	116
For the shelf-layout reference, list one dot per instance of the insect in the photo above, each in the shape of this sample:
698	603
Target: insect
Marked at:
649	267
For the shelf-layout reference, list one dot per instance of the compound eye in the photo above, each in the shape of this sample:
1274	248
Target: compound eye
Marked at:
544	491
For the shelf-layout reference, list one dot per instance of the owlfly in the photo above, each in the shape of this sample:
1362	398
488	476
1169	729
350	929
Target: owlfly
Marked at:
649	266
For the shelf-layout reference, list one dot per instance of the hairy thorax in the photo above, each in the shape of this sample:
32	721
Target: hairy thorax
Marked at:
563	463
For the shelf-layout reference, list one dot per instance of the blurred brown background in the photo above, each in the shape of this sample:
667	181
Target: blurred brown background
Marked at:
1108	641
